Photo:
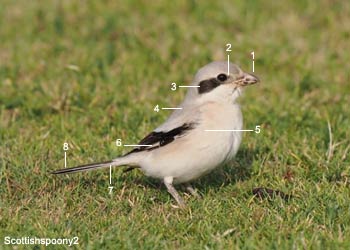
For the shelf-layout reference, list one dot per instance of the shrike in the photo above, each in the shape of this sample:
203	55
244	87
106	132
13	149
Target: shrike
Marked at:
182	149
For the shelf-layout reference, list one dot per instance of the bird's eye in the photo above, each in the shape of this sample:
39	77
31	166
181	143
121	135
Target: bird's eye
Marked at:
222	77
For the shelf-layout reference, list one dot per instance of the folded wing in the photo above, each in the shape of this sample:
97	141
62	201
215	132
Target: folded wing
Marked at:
159	138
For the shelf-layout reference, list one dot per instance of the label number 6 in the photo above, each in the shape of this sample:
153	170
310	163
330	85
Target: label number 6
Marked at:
118	142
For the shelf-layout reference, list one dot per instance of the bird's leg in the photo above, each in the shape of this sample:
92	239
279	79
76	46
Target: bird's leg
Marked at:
192	191
168	182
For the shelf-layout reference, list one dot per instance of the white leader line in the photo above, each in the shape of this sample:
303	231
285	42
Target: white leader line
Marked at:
229	130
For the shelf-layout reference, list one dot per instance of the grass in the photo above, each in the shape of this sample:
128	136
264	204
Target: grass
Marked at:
90	72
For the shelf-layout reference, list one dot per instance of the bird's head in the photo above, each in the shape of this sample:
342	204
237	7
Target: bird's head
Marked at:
220	82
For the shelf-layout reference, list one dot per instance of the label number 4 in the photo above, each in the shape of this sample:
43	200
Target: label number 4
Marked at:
156	108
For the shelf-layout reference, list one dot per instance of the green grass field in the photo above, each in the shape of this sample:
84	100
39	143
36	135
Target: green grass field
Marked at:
89	72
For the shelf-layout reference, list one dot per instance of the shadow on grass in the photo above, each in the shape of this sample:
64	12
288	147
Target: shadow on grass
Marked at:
239	169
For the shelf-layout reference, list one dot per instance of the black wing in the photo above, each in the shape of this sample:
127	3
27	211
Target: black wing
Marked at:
160	139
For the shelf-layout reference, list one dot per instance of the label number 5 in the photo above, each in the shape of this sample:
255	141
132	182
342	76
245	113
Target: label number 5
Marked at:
257	129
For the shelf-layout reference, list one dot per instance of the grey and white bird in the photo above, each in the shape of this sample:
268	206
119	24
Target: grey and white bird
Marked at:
182	147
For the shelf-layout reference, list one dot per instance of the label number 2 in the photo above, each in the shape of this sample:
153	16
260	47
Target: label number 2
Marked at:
228	47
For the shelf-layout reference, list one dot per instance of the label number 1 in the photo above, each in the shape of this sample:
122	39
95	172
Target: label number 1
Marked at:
253	57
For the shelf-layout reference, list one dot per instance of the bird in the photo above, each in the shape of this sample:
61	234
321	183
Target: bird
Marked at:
187	146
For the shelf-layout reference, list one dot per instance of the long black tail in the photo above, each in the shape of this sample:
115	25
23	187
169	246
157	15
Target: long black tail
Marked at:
129	160
85	167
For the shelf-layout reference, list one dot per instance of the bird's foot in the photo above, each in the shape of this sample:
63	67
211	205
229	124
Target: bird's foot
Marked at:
192	191
168	182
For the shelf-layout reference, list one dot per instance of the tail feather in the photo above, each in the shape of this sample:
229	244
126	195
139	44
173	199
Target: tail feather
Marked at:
92	166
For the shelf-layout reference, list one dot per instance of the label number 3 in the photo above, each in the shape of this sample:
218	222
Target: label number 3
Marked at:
173	86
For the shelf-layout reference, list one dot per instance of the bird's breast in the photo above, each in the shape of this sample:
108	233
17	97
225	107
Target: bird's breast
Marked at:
221	124
222	117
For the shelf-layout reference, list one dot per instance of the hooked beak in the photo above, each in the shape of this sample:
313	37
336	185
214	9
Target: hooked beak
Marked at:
247	79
